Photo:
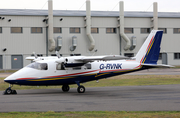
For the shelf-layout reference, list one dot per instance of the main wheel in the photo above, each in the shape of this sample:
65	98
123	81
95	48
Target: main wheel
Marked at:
81	89
14	92
65	88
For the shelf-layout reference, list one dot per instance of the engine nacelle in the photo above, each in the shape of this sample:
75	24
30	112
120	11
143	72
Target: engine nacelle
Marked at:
70	62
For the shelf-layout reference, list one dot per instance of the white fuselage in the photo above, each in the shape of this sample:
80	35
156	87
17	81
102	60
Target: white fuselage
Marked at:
54	76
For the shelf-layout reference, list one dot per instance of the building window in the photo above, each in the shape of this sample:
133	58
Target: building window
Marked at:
110	30
75	54
16	29
74	30
94	30
128	30
176	55
129	54
56	55
57	30
176	30
145	30
0	29
39	55
163	29
36	29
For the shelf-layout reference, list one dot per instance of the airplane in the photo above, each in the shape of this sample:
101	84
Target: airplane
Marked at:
80	69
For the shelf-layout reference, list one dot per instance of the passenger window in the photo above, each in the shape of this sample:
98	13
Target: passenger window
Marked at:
88	66
60	66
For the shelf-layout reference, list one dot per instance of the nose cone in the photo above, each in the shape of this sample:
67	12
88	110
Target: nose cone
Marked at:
10	79
20	76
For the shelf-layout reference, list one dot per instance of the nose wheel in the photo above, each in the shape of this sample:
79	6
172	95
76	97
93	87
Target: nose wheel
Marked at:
9	91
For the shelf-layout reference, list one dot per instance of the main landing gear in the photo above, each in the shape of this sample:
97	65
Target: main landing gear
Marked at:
9	91
65	88
80	89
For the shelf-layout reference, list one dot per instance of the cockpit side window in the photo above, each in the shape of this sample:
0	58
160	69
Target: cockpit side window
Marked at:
44	66
38	66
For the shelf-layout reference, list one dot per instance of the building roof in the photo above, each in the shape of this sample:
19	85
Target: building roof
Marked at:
34	12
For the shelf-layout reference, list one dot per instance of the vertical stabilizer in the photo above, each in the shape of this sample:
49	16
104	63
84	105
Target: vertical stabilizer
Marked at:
149	52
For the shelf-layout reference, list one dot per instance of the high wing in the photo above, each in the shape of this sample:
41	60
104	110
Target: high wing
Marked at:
75	61
40	58
36	58
86	59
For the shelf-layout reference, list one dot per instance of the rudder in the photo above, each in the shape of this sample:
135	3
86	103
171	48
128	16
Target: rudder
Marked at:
149	52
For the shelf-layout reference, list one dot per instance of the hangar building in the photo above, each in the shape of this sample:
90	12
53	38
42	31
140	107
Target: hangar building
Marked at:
24	31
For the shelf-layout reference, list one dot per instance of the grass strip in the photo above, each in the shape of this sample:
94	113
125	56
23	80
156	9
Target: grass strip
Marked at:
8	71
93	114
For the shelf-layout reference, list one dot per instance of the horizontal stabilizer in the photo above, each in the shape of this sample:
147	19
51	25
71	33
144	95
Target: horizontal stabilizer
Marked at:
156	65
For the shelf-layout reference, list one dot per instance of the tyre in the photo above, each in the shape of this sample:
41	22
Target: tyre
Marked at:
8	91
65	88
14	92
81	89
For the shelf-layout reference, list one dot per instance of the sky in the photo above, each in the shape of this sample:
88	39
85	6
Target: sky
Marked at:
96	5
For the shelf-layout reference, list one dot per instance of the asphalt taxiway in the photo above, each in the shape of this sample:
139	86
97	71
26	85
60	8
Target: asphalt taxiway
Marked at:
121	98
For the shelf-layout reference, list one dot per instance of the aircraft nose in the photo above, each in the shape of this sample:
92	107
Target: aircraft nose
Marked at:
10	79
14	78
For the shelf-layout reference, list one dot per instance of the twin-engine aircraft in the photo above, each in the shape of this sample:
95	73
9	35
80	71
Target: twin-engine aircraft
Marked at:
46	71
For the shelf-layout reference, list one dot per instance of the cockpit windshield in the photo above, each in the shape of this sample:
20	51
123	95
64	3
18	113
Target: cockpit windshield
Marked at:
39	66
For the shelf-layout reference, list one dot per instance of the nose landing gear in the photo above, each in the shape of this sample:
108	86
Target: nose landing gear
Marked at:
9	91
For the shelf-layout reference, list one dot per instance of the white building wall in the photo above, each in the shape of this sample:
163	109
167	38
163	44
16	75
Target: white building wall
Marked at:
170	41
25	43
22	43
136	24
102	39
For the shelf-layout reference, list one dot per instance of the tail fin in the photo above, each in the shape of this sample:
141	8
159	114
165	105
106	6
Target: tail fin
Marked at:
149	52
